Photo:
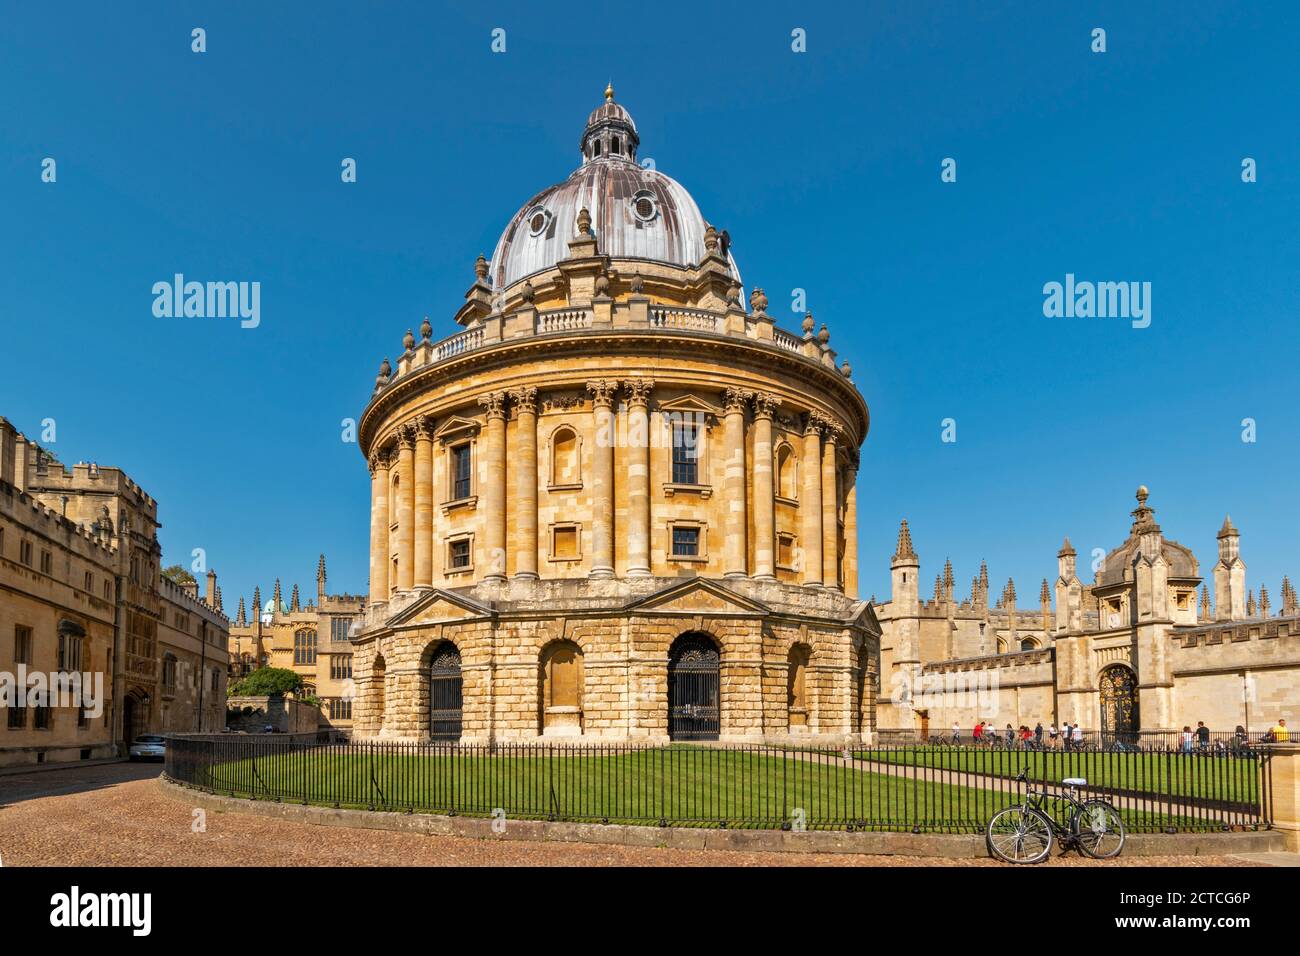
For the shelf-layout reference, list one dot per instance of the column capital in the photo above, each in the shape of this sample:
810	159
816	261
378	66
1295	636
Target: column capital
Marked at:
379	461
406	436
525	399
735	399
765	405
494	403
638	391
424	427
603	391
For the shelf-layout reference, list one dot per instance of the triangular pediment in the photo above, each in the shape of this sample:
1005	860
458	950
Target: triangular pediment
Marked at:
440	607
455	427
864	615
689	404
698	596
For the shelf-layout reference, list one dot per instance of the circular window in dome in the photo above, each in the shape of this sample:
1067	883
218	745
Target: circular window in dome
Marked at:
644	206
537	219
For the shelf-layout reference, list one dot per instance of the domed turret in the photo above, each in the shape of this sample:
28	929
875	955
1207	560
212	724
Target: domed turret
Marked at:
636	213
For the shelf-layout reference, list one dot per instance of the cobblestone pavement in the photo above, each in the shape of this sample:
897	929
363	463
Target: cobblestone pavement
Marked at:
116	815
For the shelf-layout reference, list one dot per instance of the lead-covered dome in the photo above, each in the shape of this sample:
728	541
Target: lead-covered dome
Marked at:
636	213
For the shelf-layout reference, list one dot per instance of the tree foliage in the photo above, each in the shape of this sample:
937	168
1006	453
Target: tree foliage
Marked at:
268	682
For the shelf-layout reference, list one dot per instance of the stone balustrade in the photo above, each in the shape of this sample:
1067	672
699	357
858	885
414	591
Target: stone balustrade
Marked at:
633	314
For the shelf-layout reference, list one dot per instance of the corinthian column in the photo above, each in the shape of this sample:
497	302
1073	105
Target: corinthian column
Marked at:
638	477
493	496
810	508
602	478
830	507
423	501
525	461
764	490
379	550
851	526
405	507
736	551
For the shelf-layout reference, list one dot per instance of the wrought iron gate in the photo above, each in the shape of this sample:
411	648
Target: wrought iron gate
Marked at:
693	711
1119	702
445	688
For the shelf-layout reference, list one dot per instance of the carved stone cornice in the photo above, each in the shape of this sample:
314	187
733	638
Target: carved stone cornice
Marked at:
602	392
638	391
494	405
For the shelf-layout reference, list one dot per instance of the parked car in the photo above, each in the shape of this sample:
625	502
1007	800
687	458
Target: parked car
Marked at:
147	747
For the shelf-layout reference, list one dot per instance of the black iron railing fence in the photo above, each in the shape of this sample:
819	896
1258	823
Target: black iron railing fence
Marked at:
739	786
1157	740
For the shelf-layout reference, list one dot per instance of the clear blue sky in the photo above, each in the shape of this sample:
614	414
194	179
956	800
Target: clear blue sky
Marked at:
824	167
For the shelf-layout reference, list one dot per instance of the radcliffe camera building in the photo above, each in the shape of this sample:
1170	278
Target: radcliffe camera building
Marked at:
617	504
81	590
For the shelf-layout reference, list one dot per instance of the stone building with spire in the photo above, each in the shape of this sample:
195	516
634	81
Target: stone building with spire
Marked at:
311	639
618	504
1132	649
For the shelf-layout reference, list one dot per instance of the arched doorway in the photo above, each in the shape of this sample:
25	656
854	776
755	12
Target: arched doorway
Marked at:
796	690
1119	702
562	680
445	692
694	712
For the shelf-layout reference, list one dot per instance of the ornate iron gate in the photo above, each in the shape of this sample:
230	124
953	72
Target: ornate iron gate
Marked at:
1119	702
445	686
693	689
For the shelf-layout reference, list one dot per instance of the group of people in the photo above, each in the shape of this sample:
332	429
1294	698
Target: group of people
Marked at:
1068	737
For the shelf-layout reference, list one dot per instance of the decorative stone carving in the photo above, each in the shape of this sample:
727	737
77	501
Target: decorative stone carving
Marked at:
765	405
494	404
638	391
525	399
603	391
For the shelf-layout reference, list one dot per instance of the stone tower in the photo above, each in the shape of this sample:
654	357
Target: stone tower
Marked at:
1229	576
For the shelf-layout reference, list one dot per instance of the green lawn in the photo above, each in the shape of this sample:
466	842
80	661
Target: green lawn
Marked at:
1230	779
683	785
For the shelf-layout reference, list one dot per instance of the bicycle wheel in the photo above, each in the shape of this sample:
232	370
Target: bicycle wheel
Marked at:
1098	830
1019	835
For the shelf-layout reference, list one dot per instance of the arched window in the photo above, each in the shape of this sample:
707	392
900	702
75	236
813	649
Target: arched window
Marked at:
304	646
614	145
787	472
1002	645
566	458
796	685
694	688
446	692
562	686
1029	644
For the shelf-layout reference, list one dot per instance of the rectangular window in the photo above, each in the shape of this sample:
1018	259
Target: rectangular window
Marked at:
340	708
108	593
340	667
46	562
90	582
339	628
69	653
686	455
17	718
785	550
25	553
22	645
565	542
41	718
460	472
686	542
458	553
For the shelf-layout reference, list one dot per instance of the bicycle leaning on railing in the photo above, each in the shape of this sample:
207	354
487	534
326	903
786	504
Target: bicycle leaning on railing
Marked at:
1025	833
